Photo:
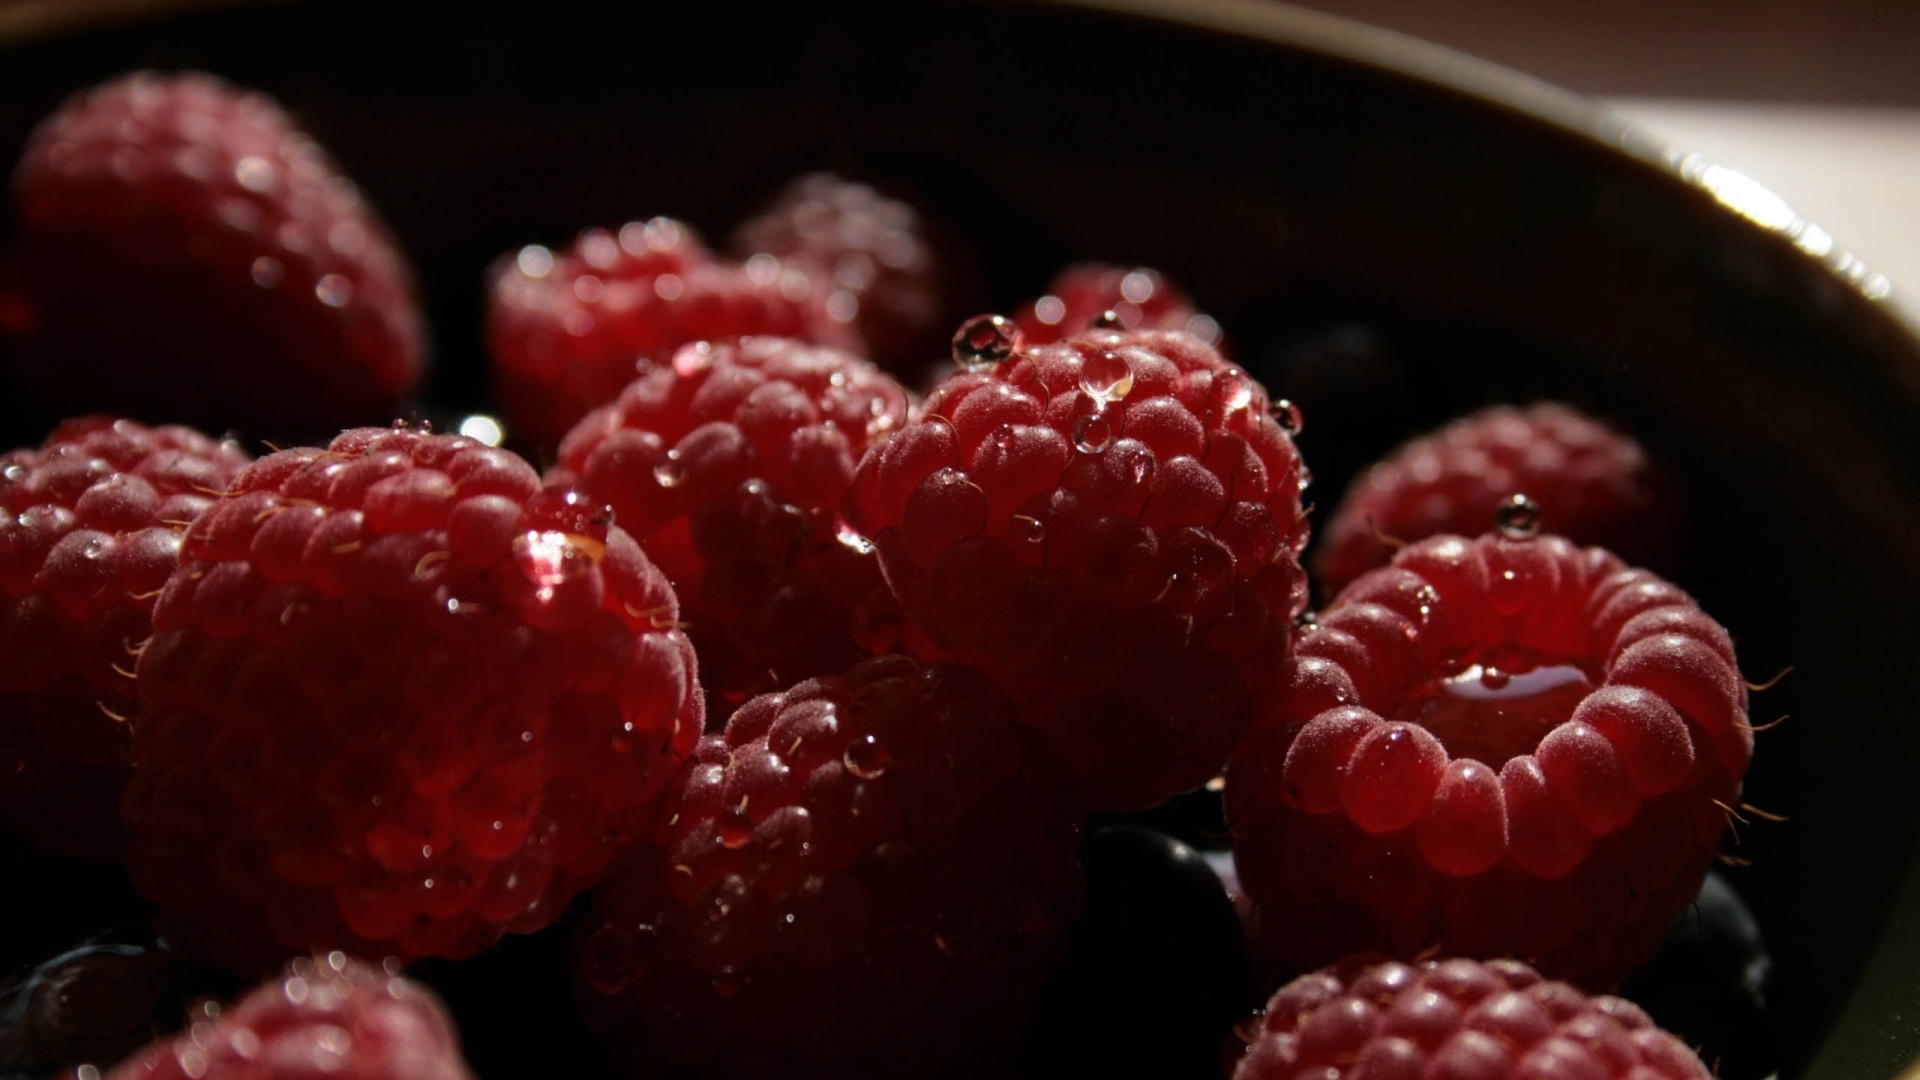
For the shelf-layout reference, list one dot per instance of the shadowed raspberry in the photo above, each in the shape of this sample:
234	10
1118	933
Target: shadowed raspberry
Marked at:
328	1015
398	699
1459	1019
1109	528
1139	298
729	466
568	330
1496	747
186	253
1591	484
884	278
90	528
870	872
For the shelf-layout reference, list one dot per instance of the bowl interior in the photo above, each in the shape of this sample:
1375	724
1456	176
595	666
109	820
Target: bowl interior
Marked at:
1383	243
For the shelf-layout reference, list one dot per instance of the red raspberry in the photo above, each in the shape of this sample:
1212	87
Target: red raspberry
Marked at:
1498	747
729	465
399	700
569	330
1590	483
1460	1019
883	272
328	1015
870	873
188	253
90	528
1109	528
1140	298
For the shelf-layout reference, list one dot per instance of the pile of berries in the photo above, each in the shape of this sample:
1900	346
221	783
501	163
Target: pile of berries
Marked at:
808	713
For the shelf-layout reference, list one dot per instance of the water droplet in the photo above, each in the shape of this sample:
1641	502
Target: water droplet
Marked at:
734	828
1106	377
1106	320
571	511
1092	433
1307	620
1518	517
669	470
268	272
691	360
484	429
1289	416
14	473
334	290
623	738
1306	477
866	758
1232	392
1028	528
984	341
1493	678
852	539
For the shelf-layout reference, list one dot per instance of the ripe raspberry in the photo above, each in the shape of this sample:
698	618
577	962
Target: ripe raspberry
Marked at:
1140	298
729	466
399	700
1109	528
1456	1018
188	253
567	331
1498	747
90	528
1592	485
870	872
884	275
329	1015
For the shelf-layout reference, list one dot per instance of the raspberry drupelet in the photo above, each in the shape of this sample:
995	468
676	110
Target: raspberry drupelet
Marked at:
1590	483
1137	298
870	873
328	1015
729	465
1109	527
1503	746
90	527
1459	1019
399	700
568	330
187	253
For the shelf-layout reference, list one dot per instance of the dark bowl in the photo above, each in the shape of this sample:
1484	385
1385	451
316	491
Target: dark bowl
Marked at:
1390	234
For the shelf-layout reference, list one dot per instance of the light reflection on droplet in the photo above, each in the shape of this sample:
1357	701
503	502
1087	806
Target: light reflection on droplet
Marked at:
483	429
1137	287
268	272
1050	310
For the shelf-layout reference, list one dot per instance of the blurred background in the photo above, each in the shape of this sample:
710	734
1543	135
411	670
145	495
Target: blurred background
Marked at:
1817	100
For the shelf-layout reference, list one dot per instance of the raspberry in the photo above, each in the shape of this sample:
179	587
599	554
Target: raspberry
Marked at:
329	1015
729	465
188	253
1591	484
90	528
565	329
1109	528
883	272
1140	298
1498	1020
1497	747
869	872
399	700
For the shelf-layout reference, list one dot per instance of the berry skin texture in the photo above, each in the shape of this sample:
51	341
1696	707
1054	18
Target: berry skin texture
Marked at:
1140	298
1109	528
869	874
1494	747
1591	484
399	700
568	330
729	465
90	528
327	1016
884	278
1454	1018
246	280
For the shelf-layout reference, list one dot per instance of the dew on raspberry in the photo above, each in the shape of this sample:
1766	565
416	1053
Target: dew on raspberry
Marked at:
1092	434
1106	377
985	341
1518	517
